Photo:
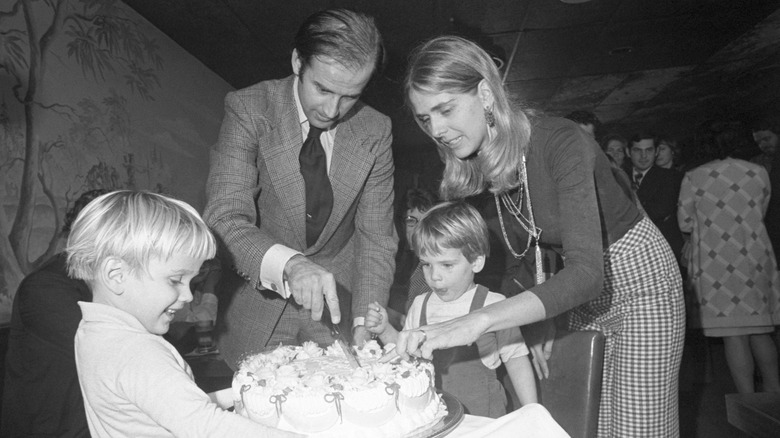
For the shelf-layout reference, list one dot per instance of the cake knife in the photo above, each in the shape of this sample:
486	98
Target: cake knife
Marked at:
340	339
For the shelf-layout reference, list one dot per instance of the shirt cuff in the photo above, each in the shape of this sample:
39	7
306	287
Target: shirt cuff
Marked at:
360	320
272	268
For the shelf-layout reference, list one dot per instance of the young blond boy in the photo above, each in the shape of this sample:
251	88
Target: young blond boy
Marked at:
138	251
451	240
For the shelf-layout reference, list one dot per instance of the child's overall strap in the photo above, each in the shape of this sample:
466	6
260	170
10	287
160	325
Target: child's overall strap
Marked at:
460	371
477	302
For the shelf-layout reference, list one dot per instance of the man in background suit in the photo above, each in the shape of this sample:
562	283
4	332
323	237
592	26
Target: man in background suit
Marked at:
657	188
288	267
41	394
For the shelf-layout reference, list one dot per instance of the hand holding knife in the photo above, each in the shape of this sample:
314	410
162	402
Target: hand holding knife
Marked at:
335	331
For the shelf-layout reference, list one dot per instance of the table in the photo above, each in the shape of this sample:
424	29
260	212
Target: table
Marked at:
757	414
530	421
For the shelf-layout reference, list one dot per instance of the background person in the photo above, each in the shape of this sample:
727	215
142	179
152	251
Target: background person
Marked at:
261	202
620	276
41	396
615	146
668	156
766	132
731	265
656	188
416	202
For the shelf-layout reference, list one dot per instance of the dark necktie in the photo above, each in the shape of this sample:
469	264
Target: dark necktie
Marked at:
319	195
637	180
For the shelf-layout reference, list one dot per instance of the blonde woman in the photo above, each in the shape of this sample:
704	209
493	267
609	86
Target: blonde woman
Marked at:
553	184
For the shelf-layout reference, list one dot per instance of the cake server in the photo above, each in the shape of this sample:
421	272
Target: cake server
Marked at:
335	331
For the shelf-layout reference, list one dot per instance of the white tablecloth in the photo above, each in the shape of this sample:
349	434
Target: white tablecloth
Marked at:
530	421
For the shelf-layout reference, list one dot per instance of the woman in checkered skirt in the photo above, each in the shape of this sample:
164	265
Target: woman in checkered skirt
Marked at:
553	184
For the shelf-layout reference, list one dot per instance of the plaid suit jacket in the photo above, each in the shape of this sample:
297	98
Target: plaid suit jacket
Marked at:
255	199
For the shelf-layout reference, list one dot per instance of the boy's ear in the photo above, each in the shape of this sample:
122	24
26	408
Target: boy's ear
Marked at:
478	264
113	273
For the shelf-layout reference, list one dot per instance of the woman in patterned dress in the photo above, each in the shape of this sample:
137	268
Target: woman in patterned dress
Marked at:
551	181
731	265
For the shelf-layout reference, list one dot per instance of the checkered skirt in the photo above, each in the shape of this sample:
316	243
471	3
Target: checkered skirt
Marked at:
642	313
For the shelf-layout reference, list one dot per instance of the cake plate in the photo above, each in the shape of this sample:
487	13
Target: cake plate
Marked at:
455	414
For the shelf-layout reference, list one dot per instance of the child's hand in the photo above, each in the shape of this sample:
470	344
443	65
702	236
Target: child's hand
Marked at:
376	319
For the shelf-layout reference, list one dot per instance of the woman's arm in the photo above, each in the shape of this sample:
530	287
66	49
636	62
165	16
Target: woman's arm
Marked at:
519	310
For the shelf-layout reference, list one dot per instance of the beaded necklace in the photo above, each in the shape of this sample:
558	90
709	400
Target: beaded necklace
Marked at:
527	223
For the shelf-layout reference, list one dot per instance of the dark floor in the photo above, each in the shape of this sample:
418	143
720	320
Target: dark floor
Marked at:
704	382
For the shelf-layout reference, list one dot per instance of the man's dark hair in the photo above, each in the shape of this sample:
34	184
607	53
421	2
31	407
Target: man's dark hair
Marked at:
350	38
644	135
584	118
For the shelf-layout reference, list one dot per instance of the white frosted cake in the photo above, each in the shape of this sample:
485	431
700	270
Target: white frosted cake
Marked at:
314	391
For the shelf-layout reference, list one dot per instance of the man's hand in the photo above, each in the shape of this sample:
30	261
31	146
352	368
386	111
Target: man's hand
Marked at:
311	285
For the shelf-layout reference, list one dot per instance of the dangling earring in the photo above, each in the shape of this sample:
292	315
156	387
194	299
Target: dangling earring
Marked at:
490	118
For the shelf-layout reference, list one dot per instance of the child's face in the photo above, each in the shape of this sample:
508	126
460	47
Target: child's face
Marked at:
450	274
153	297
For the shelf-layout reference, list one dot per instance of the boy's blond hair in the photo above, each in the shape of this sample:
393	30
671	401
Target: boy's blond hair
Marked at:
135	226
455	225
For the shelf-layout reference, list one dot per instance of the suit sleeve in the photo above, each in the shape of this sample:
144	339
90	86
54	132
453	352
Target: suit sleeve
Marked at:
376	240
232	188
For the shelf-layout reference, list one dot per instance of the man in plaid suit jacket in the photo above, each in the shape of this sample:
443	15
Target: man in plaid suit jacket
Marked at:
256	194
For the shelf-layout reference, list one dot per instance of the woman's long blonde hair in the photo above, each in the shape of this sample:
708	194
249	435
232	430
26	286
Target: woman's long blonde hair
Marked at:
455	65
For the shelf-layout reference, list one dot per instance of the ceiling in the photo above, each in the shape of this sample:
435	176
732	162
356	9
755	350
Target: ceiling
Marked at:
663	65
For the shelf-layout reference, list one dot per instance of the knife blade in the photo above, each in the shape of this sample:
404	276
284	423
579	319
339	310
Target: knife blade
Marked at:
340	339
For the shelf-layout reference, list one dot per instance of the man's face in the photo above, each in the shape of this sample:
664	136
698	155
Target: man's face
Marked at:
766	141
643	154
328	89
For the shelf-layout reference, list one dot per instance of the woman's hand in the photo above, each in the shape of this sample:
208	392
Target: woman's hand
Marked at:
539	339
421	342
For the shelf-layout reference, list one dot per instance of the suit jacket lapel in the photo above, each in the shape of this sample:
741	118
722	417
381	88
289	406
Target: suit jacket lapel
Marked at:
281	152
349	165
349	169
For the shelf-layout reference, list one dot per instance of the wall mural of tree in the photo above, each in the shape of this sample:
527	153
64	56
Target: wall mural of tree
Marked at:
56	144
